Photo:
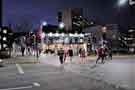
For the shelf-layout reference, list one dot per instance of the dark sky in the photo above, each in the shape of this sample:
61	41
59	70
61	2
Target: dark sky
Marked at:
36	11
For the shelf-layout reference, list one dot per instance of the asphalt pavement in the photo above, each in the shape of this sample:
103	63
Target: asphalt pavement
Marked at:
117	74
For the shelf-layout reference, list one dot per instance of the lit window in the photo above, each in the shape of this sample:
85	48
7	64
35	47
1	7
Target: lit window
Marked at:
4	38
62	34
125	38
131	2
131	30
4	45
5	31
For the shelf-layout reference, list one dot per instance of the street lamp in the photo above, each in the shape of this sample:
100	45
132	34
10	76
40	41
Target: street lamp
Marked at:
122	2
61	25
104	30
44	23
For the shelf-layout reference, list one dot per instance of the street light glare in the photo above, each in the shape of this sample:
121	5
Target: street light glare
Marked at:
122	2
44	23
61	25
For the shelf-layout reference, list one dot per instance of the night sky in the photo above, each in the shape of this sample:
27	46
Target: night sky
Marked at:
36	11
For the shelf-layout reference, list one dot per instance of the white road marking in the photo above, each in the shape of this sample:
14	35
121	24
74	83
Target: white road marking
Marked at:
17	88
36	84
19	69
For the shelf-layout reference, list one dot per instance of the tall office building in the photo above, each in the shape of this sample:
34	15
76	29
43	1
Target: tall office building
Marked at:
73	19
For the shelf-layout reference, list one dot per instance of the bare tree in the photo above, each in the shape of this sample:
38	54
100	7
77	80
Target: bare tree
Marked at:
24	25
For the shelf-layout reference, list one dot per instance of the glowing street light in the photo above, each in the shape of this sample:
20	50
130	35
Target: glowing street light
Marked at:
61	25
44	23
122	2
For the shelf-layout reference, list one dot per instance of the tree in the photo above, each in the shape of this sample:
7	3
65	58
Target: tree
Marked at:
24	25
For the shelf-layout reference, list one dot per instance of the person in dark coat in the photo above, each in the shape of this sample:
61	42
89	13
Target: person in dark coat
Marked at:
22	49
82	54
110	53
70	52
61	55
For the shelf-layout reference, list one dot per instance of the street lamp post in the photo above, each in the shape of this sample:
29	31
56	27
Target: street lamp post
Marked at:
122	2
36	40
42	34
104	30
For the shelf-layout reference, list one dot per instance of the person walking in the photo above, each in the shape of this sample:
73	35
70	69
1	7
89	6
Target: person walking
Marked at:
105	51
100	54
65	54
22	49
82	55
110	53
70	52
61	55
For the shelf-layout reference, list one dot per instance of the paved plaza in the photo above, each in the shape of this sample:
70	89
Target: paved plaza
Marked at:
118	74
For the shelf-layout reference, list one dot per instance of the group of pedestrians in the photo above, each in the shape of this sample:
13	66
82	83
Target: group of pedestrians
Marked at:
103	53
21	45
63	54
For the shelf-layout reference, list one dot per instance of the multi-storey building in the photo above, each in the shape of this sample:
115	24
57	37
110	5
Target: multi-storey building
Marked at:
104	34
73	20
128	38
5	40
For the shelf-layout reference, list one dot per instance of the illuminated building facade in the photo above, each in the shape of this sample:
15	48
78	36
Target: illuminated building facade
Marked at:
73	20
